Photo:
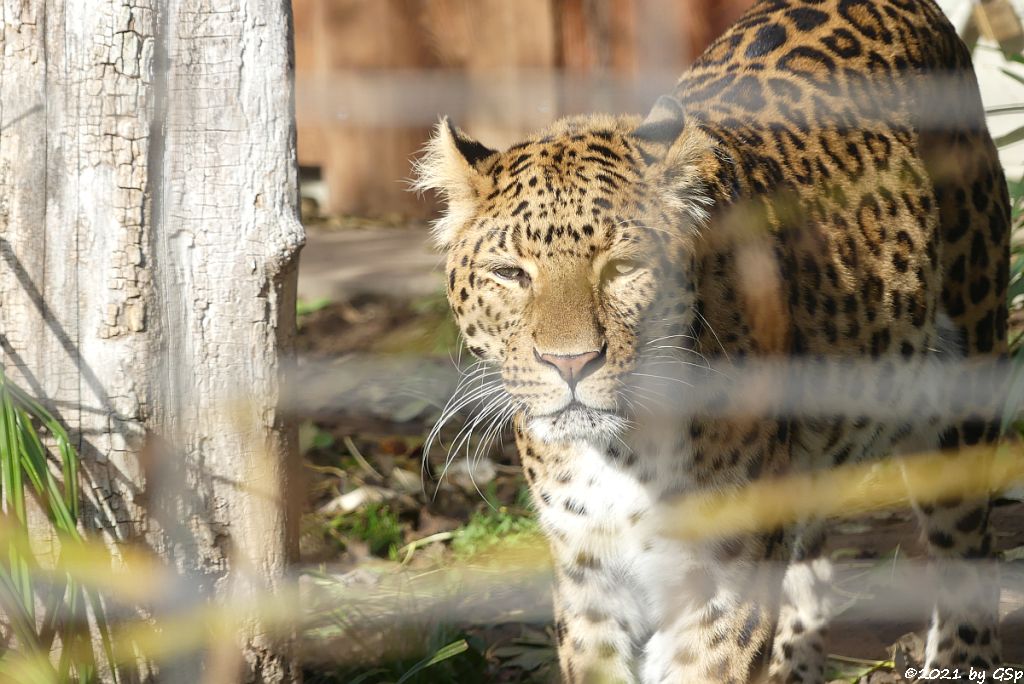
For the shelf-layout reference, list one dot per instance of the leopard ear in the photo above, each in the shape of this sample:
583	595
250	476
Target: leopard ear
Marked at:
680	159
660	129
450	165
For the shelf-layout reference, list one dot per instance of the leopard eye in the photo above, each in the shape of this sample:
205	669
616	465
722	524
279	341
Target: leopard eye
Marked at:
510	273
618	268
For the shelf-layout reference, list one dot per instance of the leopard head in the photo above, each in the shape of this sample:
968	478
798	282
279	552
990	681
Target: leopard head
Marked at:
570	258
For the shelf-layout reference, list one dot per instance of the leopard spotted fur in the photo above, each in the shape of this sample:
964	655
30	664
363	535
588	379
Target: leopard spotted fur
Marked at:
820	184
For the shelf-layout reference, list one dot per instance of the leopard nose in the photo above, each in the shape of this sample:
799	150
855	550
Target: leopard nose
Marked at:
573	367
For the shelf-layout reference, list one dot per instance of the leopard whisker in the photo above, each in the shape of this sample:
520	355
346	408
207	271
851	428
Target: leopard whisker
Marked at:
464	435
493	431
641	399
665	360
669	337
715	334
663	377
495	422
495	416
462	439
460	398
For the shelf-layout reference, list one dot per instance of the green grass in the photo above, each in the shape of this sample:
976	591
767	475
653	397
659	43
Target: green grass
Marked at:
488	528
313	437
304	307
852	670
376	525
1015	292
496	523
42	614
452	657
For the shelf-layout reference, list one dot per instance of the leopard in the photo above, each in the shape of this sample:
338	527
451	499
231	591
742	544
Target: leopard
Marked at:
820	184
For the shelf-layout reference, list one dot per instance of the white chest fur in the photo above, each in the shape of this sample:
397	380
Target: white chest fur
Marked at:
604	513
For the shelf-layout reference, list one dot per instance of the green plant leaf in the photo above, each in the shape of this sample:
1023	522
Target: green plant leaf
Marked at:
25	462
1014	136
304	308
1015	290
1011	74
444	653
366	675
323	439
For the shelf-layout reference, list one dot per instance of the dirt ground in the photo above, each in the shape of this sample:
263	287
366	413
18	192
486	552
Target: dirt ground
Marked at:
371	449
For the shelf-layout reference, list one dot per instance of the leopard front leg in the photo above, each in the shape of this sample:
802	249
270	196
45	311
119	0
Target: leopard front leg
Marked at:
964	627
704	620
726	640
807	604
720	628
595	643
963	630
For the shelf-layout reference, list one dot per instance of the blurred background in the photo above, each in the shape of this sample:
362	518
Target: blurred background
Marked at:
372	77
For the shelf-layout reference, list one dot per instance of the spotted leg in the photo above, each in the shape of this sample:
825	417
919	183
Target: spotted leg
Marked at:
799	648
963	630
725	640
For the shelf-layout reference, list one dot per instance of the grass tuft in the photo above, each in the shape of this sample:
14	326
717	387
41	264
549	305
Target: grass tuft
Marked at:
43	614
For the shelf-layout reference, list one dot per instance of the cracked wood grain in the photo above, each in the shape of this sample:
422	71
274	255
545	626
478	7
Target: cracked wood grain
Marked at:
148	252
